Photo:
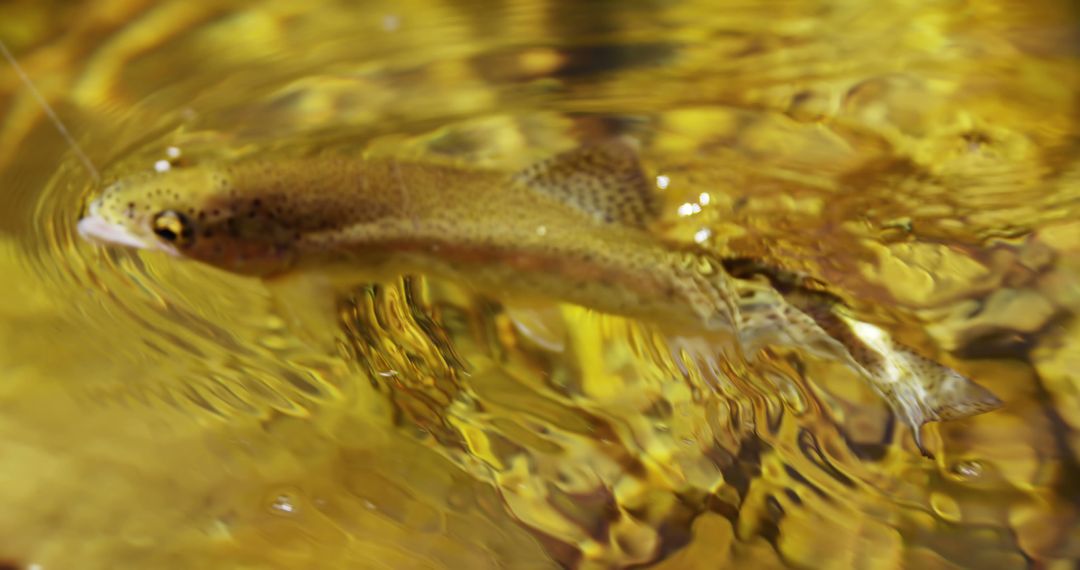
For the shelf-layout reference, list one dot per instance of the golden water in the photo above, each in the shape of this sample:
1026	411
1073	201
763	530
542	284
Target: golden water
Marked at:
921	157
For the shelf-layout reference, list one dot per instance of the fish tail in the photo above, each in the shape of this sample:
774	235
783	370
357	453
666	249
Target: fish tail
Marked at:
791	309
918	390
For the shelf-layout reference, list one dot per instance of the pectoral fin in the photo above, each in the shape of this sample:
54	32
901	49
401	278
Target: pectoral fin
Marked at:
604	180
307	303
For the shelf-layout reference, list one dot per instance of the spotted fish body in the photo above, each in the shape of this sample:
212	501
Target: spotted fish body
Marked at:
572	228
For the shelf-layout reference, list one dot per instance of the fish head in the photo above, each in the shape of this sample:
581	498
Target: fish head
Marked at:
194	212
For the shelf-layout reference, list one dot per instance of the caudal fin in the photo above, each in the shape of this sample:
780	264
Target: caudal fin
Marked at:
948	394
916	388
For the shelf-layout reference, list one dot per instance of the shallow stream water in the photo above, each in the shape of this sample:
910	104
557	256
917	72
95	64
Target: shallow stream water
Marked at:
919	157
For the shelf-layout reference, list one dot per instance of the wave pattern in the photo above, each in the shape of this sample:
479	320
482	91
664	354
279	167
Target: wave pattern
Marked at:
917	156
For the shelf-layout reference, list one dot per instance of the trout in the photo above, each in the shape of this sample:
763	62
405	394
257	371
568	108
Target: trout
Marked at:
573	228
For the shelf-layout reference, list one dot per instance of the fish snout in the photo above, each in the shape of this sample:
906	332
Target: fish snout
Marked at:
94	228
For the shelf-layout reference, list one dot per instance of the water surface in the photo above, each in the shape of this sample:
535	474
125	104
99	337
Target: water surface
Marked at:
921	157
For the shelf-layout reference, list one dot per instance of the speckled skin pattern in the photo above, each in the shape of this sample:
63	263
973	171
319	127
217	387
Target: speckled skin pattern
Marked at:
569	228
267	216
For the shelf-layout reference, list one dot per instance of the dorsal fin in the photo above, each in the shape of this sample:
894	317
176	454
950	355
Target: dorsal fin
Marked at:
604	180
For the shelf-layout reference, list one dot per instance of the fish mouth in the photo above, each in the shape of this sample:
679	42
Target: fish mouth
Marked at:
95	229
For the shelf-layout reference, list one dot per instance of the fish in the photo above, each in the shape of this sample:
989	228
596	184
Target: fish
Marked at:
574	227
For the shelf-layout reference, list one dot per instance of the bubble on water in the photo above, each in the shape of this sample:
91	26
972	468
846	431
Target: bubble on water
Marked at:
285	503
967	469
663	181
946	507
688	209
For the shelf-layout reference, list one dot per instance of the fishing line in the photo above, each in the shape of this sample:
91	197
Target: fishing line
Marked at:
49	111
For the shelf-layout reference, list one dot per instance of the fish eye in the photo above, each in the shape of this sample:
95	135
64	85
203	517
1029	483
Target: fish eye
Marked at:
173	227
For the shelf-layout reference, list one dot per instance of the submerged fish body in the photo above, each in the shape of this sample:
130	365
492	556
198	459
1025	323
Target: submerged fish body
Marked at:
268	217
571	228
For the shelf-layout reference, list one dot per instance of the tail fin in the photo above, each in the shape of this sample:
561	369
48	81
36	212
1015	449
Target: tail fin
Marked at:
917	389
